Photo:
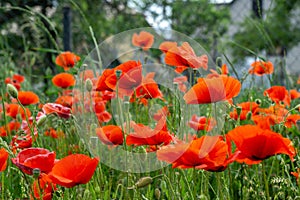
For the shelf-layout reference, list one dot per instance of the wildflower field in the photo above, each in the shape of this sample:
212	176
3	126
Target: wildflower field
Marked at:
166	122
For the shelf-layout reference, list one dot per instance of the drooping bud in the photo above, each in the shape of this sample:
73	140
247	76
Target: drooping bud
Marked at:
12	90
238	110
144	181
157	193
89	85
41	120
249	115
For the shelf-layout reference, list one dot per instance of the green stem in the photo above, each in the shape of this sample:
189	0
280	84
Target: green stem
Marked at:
187	184
2	185
266	181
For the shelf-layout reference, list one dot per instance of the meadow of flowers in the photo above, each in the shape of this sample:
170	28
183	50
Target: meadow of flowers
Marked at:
123	133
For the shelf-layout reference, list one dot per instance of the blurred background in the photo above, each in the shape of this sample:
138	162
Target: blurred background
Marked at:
32	32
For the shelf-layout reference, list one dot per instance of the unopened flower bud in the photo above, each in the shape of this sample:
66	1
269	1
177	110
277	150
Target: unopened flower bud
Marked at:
19	117
157	193
238	110
36	173
144	182
42	120
89	85
12	90
249	115
118	73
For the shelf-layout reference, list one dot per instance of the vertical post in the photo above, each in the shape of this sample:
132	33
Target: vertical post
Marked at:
257	7
67	37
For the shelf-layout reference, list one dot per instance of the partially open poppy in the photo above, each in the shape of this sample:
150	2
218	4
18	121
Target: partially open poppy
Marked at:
58	109
63	80
65	100
110	135
3	159
73	170
184	57
144	135
208	153
201	123
255	144
21	142
31	158
210	90
67	60
292	120
144	40
278	94
260	68
28	98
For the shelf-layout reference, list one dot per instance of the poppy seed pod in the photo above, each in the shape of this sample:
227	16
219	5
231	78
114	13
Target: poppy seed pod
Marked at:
36	173
12	90
144	181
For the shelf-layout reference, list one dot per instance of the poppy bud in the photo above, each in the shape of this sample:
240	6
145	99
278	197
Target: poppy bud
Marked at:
88	85
86	194
157	193
12	90
118	73
258	101
219	62
36	173
238	110
19	117
144	182
249	115
41	121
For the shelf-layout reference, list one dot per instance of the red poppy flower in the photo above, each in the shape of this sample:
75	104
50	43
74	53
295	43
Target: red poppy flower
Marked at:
16	80
213	90
3	159
246	107
291	120
31	158
278	94
144	135
58	109
144	40
14	109
54	134
65	100
73	170
260	68
63	80
294	94
255	144
184	57
67	60
167	45
100	110
131	77
208	153
11	126
43	187
202	123
148	89
181	81
21	142
110	135
28	98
